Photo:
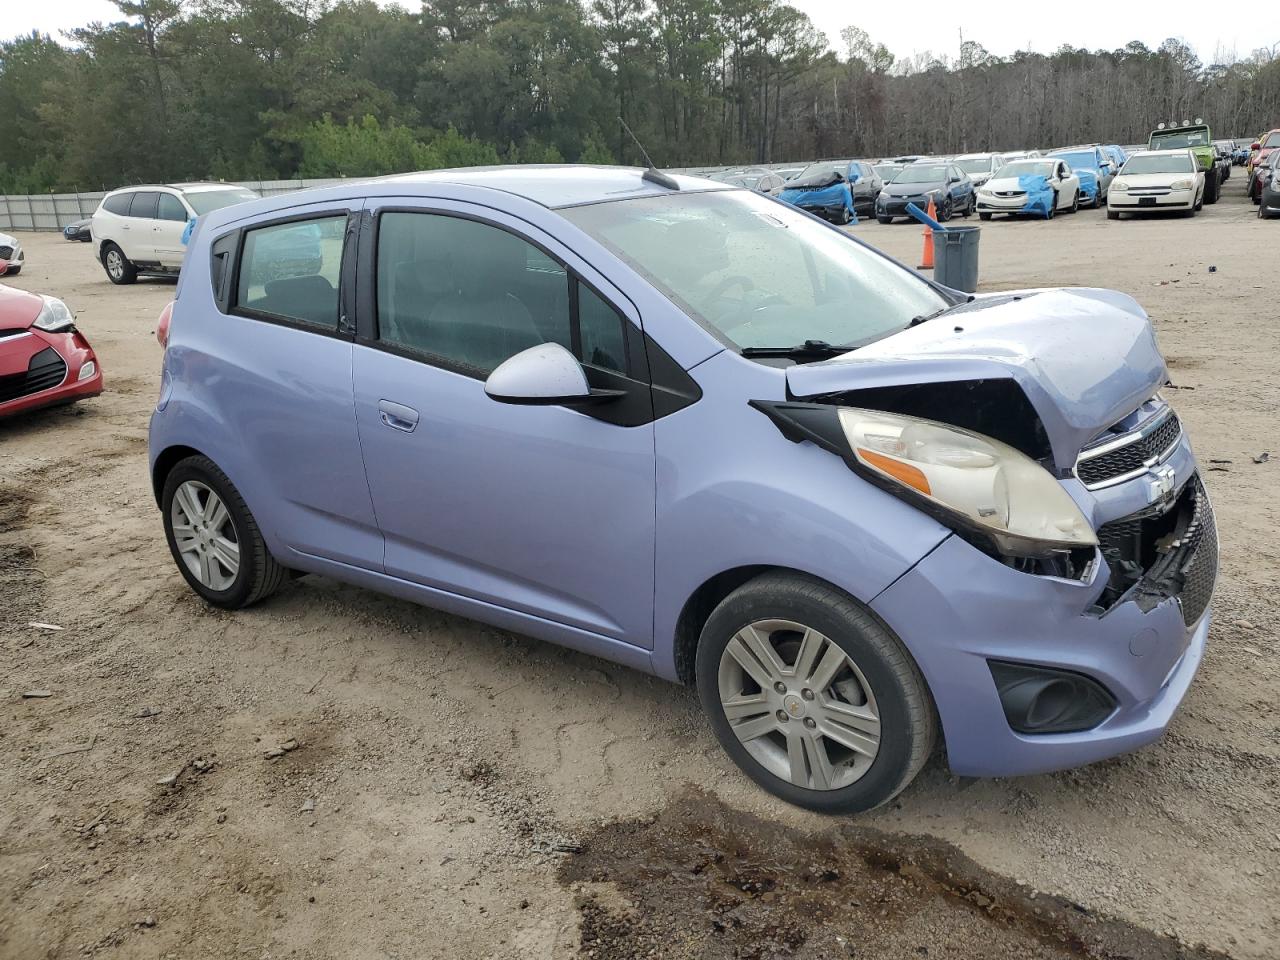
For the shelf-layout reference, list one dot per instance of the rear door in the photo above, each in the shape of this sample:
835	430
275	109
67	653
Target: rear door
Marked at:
544	510
137	230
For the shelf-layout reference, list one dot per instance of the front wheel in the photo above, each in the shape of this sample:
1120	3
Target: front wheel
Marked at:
945	211
214	539
1211	187
984	216
1113	214
812	697
843	217
1075	202
884	219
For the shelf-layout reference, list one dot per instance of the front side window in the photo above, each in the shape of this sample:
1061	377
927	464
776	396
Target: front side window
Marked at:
473	295
171	208
759	273
290	271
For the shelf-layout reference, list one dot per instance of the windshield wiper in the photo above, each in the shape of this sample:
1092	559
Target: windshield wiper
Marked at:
809	350
926	317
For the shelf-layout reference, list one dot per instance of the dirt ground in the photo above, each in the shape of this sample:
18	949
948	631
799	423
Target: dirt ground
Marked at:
446	789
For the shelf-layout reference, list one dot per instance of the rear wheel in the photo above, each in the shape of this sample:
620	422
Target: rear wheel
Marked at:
812	697
120	270
213	537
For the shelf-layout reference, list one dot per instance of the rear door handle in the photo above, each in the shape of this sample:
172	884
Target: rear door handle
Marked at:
397	416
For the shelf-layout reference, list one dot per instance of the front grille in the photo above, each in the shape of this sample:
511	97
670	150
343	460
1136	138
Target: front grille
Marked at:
45	371
1147	447
1010	193
6	251
1157	554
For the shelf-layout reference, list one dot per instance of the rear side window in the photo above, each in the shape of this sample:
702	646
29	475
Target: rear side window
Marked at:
171	208
290	271
144	205
119	204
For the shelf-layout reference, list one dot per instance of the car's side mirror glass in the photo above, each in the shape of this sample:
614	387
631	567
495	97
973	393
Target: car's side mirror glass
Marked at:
546	374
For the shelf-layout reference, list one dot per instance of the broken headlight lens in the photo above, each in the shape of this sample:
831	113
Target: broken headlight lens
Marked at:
54	316
986	485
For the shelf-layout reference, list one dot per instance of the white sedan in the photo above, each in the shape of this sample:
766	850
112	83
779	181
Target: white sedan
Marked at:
1157	180
11	252
1002	194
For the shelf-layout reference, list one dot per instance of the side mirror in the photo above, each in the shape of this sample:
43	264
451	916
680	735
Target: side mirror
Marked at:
545	375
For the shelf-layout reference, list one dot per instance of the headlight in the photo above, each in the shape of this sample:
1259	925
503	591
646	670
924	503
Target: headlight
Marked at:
1182	185
986	485
54	316
1120	187
984	192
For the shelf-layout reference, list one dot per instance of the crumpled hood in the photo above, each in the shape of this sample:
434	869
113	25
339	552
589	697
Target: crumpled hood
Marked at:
18	309
1084	357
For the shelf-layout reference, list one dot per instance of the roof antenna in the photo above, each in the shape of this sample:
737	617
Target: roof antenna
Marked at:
653	174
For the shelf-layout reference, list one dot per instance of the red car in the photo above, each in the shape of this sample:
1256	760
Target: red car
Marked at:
44	359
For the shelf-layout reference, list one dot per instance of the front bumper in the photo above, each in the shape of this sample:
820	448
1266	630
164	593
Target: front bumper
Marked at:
30	381
996	204
958	609
897	206
1173	200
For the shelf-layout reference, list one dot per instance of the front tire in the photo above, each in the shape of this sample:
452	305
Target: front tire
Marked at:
214	539
1211	187
13	271
1075	202
812	697
120	269
1113	214
984	216
884	219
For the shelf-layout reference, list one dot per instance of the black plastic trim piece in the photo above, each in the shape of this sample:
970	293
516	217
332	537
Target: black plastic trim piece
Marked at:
1084	703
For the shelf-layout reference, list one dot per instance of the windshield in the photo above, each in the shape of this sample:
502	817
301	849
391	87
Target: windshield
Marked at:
921	173
1079	158
206	201
826	168
1025	168
980	165
1177	139
1272	141
887	171
759	273
1152	163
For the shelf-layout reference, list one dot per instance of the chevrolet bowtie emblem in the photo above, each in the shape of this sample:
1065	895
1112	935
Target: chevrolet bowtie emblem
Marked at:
1162	484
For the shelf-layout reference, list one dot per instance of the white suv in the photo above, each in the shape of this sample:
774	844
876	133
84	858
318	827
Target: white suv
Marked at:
139	229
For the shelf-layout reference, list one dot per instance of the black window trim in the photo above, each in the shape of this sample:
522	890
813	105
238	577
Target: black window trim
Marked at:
342	328
367	301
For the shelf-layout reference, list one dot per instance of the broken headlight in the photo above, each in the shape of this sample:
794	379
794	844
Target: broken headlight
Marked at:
54	316
986	485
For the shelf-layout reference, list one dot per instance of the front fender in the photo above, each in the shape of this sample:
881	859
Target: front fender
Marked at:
733	492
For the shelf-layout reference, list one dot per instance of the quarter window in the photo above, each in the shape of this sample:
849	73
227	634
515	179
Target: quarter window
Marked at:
119	204
473	295
290	271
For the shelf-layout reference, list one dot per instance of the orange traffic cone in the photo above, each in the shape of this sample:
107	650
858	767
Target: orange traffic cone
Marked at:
926	260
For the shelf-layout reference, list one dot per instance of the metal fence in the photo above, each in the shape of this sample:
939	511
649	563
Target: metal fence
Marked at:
53	211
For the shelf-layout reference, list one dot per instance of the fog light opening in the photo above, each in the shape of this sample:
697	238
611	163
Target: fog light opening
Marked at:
1047	700
87	371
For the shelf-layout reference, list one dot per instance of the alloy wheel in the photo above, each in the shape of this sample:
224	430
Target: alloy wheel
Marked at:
799	704
205	535
115	263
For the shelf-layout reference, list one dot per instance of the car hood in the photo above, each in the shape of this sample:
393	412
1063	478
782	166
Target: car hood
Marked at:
1005	184
18	309
1156	179
1084	357
911	189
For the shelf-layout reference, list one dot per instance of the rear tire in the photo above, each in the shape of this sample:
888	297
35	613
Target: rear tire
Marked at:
120	270
257	574
874	677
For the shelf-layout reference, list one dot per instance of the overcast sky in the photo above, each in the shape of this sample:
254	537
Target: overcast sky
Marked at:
932	25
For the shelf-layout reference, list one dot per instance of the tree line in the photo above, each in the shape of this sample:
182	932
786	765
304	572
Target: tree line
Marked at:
273	89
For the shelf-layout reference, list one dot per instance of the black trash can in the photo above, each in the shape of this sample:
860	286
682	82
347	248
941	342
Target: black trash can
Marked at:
955	258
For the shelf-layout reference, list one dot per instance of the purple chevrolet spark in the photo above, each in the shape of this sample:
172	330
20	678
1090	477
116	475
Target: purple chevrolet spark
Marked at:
693	430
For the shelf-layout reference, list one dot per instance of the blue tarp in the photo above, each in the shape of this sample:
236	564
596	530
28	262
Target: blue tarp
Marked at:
821	200
1088	184
1039	194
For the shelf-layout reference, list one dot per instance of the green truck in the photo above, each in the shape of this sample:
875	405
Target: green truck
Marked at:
1196	138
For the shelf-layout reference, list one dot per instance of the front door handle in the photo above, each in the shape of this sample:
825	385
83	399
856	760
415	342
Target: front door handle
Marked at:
397	416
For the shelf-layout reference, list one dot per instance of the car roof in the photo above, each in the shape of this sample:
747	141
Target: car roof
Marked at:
555	185
973	156
1180	151
193	187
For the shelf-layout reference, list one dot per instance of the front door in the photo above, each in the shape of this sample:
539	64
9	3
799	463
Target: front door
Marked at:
171	220
545	510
